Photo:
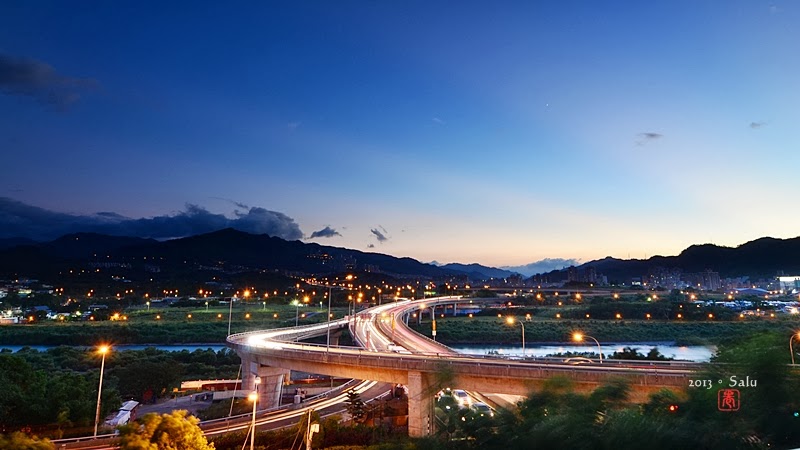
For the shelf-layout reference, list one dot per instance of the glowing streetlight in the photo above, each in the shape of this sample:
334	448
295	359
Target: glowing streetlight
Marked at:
791	350
511	321
102	350
578	337
296	312
206	306
328	341
148	305
230	314
253	397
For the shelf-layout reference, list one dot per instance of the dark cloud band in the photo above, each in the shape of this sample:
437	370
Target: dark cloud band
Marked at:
28	77
325	233
18	219
380	236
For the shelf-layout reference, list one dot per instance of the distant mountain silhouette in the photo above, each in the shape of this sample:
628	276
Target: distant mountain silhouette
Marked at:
478	271
14	242
761	258
227	247
89	245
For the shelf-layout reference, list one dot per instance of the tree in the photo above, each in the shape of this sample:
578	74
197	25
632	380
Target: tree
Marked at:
355	406
175	431
21	441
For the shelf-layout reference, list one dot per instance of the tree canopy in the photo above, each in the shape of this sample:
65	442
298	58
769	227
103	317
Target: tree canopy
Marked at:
21	441
175	431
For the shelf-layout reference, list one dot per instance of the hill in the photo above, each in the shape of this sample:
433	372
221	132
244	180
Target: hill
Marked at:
761	258
224	249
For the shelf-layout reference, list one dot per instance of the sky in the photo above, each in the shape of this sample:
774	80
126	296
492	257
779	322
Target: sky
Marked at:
502	133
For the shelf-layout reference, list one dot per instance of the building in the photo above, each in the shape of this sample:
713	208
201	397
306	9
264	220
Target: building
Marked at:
707	280
789	283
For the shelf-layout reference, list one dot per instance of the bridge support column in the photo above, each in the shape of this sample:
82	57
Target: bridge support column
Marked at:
249	372
420	404
269	391
335	335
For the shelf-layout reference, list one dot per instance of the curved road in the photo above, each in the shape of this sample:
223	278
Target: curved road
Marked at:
394	353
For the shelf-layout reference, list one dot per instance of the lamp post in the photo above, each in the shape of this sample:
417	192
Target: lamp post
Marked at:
511	321
578	337
791	350
148	306
296	304
253	397
206	306
328	342
230	314
433	322
103	350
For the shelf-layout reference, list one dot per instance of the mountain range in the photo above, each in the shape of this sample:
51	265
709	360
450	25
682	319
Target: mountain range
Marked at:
226	247
763	257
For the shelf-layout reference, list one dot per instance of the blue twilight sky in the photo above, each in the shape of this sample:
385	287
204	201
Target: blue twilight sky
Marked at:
492	132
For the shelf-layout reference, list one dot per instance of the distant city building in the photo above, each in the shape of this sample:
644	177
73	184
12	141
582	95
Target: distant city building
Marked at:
572	274
707	280
585	275
668	278
789	283
514	280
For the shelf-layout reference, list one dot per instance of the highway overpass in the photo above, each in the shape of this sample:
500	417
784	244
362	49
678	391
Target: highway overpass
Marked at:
391	352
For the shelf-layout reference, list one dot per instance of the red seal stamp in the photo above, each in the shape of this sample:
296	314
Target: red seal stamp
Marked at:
728	400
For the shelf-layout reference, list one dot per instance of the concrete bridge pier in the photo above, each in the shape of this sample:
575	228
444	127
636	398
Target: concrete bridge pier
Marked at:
270	389
271	381
420	404
335	335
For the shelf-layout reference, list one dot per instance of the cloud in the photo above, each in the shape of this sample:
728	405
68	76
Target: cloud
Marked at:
543	266
437	121
18	219
292	126
325	233
644	138
28	77
380	236
757	125
239	205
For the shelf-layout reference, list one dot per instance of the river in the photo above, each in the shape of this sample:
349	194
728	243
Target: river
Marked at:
696	353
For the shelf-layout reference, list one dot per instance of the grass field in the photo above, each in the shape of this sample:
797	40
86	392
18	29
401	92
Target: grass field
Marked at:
162	326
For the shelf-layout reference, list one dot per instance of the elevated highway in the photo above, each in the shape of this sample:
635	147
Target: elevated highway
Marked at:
392	352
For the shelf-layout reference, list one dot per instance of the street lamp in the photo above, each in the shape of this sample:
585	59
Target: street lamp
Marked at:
230	314
791	350
253	397
578	337
148	306
103	350
206	306
433	322
328	342
296	312
511	321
